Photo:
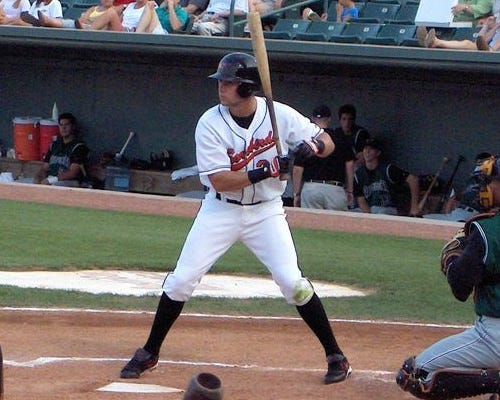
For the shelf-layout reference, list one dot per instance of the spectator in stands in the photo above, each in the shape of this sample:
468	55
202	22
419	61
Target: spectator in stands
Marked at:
128	21
88	16
194	7
487	38
472	10
170	14
51	8
375	181
315	11
65	161
10	10
214	20
356	135
262	6
346	10
325	183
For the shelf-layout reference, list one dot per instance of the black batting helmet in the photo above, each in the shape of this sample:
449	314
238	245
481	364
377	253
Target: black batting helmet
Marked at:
242	68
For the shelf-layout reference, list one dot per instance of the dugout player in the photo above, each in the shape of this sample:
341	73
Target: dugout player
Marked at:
238	161
325	183
466	364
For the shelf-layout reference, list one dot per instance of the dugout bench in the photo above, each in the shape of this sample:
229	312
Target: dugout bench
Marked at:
141	181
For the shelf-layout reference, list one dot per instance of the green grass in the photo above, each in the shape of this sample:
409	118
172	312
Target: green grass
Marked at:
402	273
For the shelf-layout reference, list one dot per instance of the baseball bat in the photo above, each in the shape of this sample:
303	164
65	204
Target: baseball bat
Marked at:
448	185
434	180
260	52
119	155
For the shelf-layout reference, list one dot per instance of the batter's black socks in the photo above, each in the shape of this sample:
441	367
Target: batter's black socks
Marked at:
315	317
166	314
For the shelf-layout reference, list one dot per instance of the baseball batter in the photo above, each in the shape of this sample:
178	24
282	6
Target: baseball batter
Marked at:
238	161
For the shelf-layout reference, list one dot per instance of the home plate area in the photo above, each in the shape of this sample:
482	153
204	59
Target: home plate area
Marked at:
140	283
121	387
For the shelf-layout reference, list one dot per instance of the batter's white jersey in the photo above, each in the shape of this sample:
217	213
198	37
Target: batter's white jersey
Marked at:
223	145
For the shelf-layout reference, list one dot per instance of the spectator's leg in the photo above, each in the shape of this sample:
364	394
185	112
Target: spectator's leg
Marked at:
49	22
110	21
454	44
146	20
209	28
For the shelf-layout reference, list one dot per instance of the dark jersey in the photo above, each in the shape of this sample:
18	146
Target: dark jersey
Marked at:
61	155
331	168
357	139
377	185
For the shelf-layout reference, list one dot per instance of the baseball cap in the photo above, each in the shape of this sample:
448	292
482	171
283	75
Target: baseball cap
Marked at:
373	143
321	111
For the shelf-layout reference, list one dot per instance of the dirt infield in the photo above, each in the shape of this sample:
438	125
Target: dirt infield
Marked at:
72	354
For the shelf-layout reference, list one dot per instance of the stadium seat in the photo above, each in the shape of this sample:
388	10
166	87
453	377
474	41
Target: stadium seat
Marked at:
287	28
466	33
406	13
356	32
85	3
386	1
378	11
413	42
393	34
321	31
73	12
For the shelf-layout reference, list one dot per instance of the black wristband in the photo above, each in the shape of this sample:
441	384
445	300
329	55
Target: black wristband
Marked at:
320	145
259	174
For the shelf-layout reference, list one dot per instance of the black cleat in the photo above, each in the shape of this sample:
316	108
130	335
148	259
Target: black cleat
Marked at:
141	361
338	369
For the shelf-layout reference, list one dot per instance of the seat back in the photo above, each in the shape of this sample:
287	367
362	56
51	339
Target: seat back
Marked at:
466	33
73	12
287	28
85	3
406	13
357	32
321	31
393	34
379	11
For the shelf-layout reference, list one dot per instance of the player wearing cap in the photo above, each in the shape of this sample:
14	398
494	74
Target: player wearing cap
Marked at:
238	161
375	181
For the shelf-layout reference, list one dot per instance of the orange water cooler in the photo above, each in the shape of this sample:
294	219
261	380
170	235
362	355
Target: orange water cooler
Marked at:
49	131
27	138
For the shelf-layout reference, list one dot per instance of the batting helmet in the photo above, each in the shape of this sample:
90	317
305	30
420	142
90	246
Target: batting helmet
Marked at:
242	68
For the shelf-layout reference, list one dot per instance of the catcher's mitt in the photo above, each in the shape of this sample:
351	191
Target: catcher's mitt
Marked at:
455	246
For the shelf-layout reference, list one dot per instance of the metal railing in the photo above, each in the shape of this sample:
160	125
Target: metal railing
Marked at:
237	23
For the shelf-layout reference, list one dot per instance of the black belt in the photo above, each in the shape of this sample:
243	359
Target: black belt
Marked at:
239	203
334	183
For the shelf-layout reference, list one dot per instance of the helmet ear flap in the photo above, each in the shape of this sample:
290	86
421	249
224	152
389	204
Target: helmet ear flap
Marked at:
244	90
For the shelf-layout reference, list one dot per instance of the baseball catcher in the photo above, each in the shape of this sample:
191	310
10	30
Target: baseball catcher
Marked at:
466	364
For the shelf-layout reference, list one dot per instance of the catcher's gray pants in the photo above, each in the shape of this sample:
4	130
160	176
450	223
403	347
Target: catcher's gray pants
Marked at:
475	348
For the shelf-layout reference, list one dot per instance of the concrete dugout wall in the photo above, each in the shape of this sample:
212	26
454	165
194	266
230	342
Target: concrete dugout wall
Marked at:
424	104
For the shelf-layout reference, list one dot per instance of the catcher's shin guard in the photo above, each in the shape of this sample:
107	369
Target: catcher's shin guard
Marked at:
448	383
